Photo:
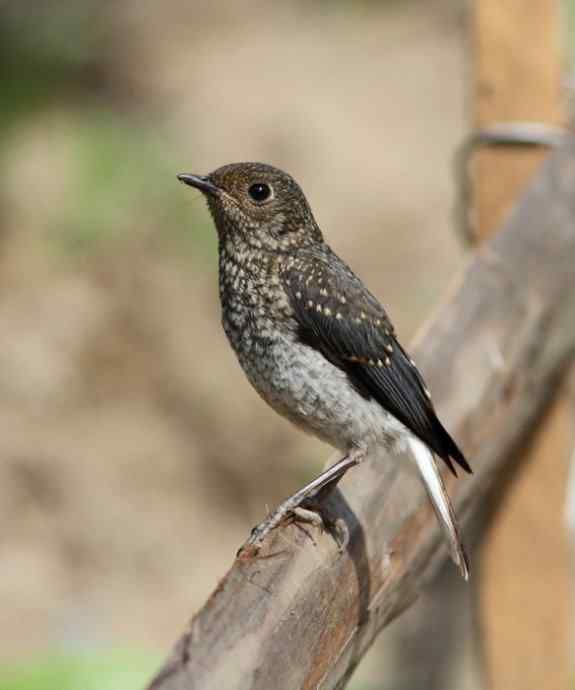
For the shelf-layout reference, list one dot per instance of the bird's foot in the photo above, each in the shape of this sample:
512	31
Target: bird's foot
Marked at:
318	506
311	511
310	516
312	497
286	511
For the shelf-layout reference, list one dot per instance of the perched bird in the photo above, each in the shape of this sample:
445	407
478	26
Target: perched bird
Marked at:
314	342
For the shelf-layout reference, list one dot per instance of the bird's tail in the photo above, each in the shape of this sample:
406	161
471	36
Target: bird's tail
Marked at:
440	501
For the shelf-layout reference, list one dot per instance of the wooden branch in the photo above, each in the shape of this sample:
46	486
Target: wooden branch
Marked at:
302	614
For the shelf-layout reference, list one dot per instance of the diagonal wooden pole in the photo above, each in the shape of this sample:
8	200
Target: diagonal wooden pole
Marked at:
524	584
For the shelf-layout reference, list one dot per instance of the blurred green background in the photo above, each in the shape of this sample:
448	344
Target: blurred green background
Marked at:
134	457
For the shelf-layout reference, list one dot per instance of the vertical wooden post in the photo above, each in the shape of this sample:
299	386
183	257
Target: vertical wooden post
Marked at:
523	579
518	61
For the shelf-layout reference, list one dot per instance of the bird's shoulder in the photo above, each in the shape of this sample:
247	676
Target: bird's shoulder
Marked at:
324	290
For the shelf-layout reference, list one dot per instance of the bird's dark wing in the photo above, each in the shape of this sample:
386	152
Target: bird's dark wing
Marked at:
339	317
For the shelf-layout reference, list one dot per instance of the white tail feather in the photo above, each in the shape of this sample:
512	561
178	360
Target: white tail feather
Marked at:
440	501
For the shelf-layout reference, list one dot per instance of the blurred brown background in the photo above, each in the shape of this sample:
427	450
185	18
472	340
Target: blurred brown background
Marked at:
134	457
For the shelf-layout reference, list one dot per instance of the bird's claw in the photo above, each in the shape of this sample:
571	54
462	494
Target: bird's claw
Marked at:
311	511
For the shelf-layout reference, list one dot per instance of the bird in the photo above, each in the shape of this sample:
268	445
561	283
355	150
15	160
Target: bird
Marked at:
315	344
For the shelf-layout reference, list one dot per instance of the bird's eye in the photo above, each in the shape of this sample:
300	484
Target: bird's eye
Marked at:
260	191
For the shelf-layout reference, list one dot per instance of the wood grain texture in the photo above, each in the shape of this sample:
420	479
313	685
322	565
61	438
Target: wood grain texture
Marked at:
301	614
524	579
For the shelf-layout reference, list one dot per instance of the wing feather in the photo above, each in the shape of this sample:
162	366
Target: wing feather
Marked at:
339	317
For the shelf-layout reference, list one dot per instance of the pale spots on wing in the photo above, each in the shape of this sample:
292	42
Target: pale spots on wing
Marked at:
321	294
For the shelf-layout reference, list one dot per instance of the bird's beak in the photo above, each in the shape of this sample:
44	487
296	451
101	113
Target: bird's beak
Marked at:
199	182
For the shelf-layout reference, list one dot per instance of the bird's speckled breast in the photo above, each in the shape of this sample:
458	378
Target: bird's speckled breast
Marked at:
302	385
296	380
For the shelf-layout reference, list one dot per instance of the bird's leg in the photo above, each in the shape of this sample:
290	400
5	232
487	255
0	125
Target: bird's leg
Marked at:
318	488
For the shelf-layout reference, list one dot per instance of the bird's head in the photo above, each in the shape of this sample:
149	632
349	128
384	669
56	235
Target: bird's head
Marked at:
257	204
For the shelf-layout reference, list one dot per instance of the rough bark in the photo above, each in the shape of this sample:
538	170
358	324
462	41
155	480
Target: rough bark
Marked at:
302	613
